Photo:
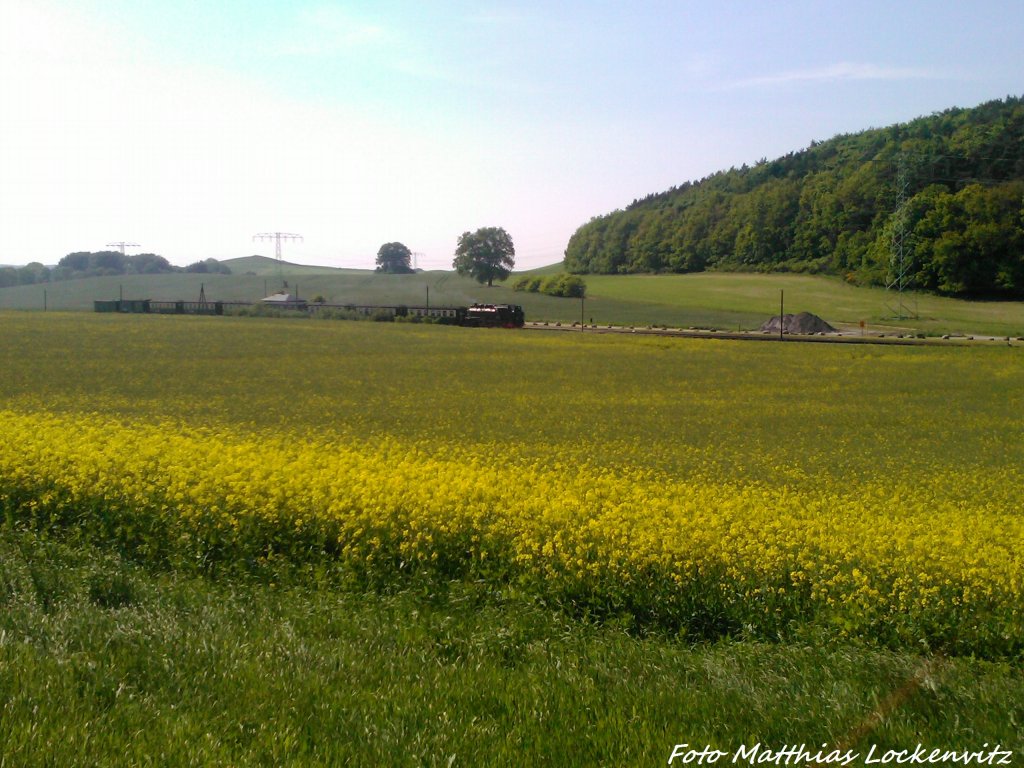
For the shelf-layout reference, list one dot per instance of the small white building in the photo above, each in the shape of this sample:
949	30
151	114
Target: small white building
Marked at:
284	300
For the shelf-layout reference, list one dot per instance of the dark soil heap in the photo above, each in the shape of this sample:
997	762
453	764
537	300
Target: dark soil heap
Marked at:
804	323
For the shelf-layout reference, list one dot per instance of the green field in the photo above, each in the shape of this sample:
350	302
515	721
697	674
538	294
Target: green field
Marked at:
726	301
255	541
747	297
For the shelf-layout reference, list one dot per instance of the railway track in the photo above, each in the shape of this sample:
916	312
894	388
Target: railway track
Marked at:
831	338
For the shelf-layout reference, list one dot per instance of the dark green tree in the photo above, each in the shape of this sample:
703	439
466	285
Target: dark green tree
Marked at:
76	262
108	263
394	258
149	264
209	266
32	273
487	255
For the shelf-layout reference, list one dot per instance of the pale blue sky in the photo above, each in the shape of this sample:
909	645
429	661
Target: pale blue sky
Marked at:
189	127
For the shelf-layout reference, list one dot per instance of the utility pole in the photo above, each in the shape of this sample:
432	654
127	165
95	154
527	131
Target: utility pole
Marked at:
782	310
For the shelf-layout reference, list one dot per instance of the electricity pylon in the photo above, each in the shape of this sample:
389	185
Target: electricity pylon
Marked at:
900	262
121	244
277	237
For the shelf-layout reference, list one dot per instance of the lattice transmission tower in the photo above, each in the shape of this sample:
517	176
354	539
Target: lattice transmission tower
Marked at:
900	260
277	237
121	245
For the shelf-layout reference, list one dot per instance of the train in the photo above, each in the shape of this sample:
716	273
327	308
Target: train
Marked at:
494	316
474	316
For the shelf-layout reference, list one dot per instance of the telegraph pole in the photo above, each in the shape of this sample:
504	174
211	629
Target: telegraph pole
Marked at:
782	312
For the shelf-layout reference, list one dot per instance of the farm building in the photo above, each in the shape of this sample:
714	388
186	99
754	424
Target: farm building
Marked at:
285	301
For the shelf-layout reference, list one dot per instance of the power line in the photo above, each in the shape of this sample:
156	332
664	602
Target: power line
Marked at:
277	237
924	171
921	166
122	244
899	263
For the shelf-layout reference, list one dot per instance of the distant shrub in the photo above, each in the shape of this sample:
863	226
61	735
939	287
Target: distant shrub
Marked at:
262	310
564	285
215	267
339	313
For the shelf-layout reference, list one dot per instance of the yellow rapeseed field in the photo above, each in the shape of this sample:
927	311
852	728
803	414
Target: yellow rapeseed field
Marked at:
699	537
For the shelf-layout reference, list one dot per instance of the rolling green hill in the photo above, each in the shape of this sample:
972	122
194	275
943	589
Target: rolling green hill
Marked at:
336	286
264	266
720	300
550	269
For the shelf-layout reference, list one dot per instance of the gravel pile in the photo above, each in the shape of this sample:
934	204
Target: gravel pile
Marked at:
803	323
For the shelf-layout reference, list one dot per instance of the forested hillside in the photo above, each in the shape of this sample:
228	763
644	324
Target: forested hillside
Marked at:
835	207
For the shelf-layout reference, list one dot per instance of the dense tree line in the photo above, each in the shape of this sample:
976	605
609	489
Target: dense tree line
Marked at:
31	273
101	263
832	208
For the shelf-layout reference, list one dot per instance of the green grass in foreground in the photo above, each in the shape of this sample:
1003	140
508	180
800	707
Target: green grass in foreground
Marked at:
103	662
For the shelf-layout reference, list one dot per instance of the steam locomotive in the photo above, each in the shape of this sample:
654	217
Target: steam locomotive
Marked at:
493	316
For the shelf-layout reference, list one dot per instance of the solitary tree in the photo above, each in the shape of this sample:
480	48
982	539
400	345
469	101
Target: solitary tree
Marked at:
487	255
394	258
